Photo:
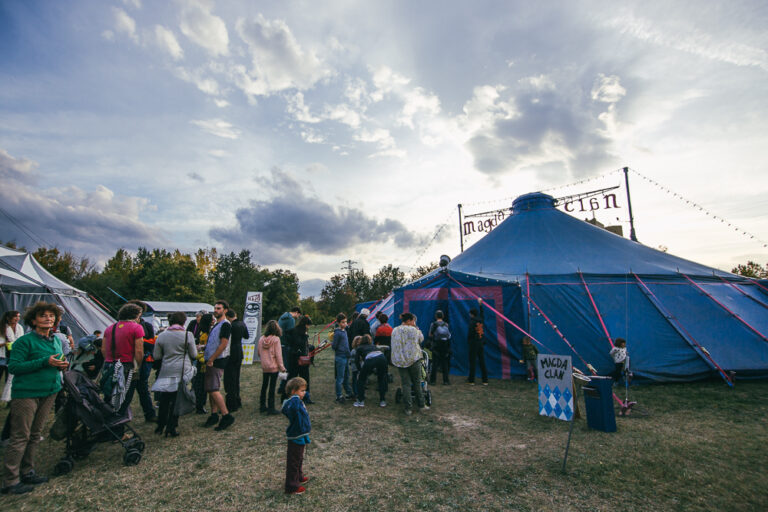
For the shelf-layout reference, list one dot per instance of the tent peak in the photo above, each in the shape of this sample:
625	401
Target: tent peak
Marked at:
533	201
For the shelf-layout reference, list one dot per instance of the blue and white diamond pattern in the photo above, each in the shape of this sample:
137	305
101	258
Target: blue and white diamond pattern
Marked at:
556	403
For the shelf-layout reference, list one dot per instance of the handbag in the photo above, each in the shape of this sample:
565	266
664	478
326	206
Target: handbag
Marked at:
185	397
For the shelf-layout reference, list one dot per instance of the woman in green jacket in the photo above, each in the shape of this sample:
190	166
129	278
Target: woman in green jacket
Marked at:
36	362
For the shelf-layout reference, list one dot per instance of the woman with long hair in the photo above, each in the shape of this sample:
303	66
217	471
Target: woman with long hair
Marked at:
198	382
271	357
10	330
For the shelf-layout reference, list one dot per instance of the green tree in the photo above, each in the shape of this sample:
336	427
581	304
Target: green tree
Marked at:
751	269
234	276
309	306
359	283
337	297
384	281
423	270
281	293
65	266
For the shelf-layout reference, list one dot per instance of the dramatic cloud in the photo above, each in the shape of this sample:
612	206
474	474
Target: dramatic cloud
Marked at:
167	41
91	222
278	61
542	125
204	28
16	169
292	222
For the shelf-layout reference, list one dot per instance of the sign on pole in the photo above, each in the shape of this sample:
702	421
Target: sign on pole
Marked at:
252	320
555	386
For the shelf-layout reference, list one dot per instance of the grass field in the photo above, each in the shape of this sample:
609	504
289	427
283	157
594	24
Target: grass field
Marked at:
703	447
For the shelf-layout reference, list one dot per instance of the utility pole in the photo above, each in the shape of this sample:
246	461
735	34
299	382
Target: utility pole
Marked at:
632	234
348	266
461	230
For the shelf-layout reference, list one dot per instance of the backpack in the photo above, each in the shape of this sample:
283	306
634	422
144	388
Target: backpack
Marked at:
442	333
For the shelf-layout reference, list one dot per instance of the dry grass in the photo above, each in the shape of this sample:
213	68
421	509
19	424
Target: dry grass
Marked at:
703	448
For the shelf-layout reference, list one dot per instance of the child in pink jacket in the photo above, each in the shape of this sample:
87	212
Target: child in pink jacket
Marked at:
271	356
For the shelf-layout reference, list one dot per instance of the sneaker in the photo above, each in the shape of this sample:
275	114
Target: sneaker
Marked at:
425	408
304	480
225	422
33	478
382	404
300	490
212	420
201	411
359	404
350	396
485	383
408	412
340	400
19	488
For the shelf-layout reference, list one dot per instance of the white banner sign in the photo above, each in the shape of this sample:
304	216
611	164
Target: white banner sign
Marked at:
555	386
252	320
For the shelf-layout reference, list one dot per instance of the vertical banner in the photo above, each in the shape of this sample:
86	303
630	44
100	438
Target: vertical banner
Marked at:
555	386
252	320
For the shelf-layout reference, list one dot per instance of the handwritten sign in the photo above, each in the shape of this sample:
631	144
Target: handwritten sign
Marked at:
555	386
252	320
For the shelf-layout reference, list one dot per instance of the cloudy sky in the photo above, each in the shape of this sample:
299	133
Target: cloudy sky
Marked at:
312	133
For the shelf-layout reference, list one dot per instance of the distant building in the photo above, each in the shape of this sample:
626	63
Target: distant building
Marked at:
157	311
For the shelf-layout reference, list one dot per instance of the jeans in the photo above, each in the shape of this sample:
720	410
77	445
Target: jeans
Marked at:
232	383
476	355
29	416
293	470
268	381
410	379
165	417
342	375
377	365
143	388
441	361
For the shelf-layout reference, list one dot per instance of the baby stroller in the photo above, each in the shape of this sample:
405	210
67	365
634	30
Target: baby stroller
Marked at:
86	419
426	369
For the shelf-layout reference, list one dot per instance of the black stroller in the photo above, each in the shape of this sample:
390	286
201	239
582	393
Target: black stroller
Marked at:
86	420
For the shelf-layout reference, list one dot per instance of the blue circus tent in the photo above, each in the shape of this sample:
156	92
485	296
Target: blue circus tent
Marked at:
574	288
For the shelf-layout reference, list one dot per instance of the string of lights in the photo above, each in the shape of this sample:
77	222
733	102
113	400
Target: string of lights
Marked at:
434	237
699	207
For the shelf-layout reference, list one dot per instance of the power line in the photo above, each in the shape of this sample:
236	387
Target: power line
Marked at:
700	208
37	240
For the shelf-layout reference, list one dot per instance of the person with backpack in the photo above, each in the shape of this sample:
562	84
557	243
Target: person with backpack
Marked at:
476	341
440	342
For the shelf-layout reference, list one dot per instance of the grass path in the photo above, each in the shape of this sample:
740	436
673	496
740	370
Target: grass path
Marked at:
704	447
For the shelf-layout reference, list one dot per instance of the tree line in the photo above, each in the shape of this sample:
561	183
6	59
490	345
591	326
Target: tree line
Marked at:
206	276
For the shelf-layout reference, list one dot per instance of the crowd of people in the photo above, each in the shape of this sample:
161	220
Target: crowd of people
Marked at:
199	361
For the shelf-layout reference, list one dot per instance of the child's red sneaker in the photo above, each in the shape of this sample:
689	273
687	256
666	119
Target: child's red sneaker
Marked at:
300	490
304	480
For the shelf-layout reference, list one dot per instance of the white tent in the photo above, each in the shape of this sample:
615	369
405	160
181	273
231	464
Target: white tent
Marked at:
23	281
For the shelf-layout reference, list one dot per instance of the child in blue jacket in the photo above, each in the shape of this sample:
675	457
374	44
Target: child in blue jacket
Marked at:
297	434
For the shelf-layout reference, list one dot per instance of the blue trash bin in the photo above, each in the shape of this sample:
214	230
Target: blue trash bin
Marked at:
598	399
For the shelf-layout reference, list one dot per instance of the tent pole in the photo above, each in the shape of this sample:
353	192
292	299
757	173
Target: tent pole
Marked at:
461	232
632	234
